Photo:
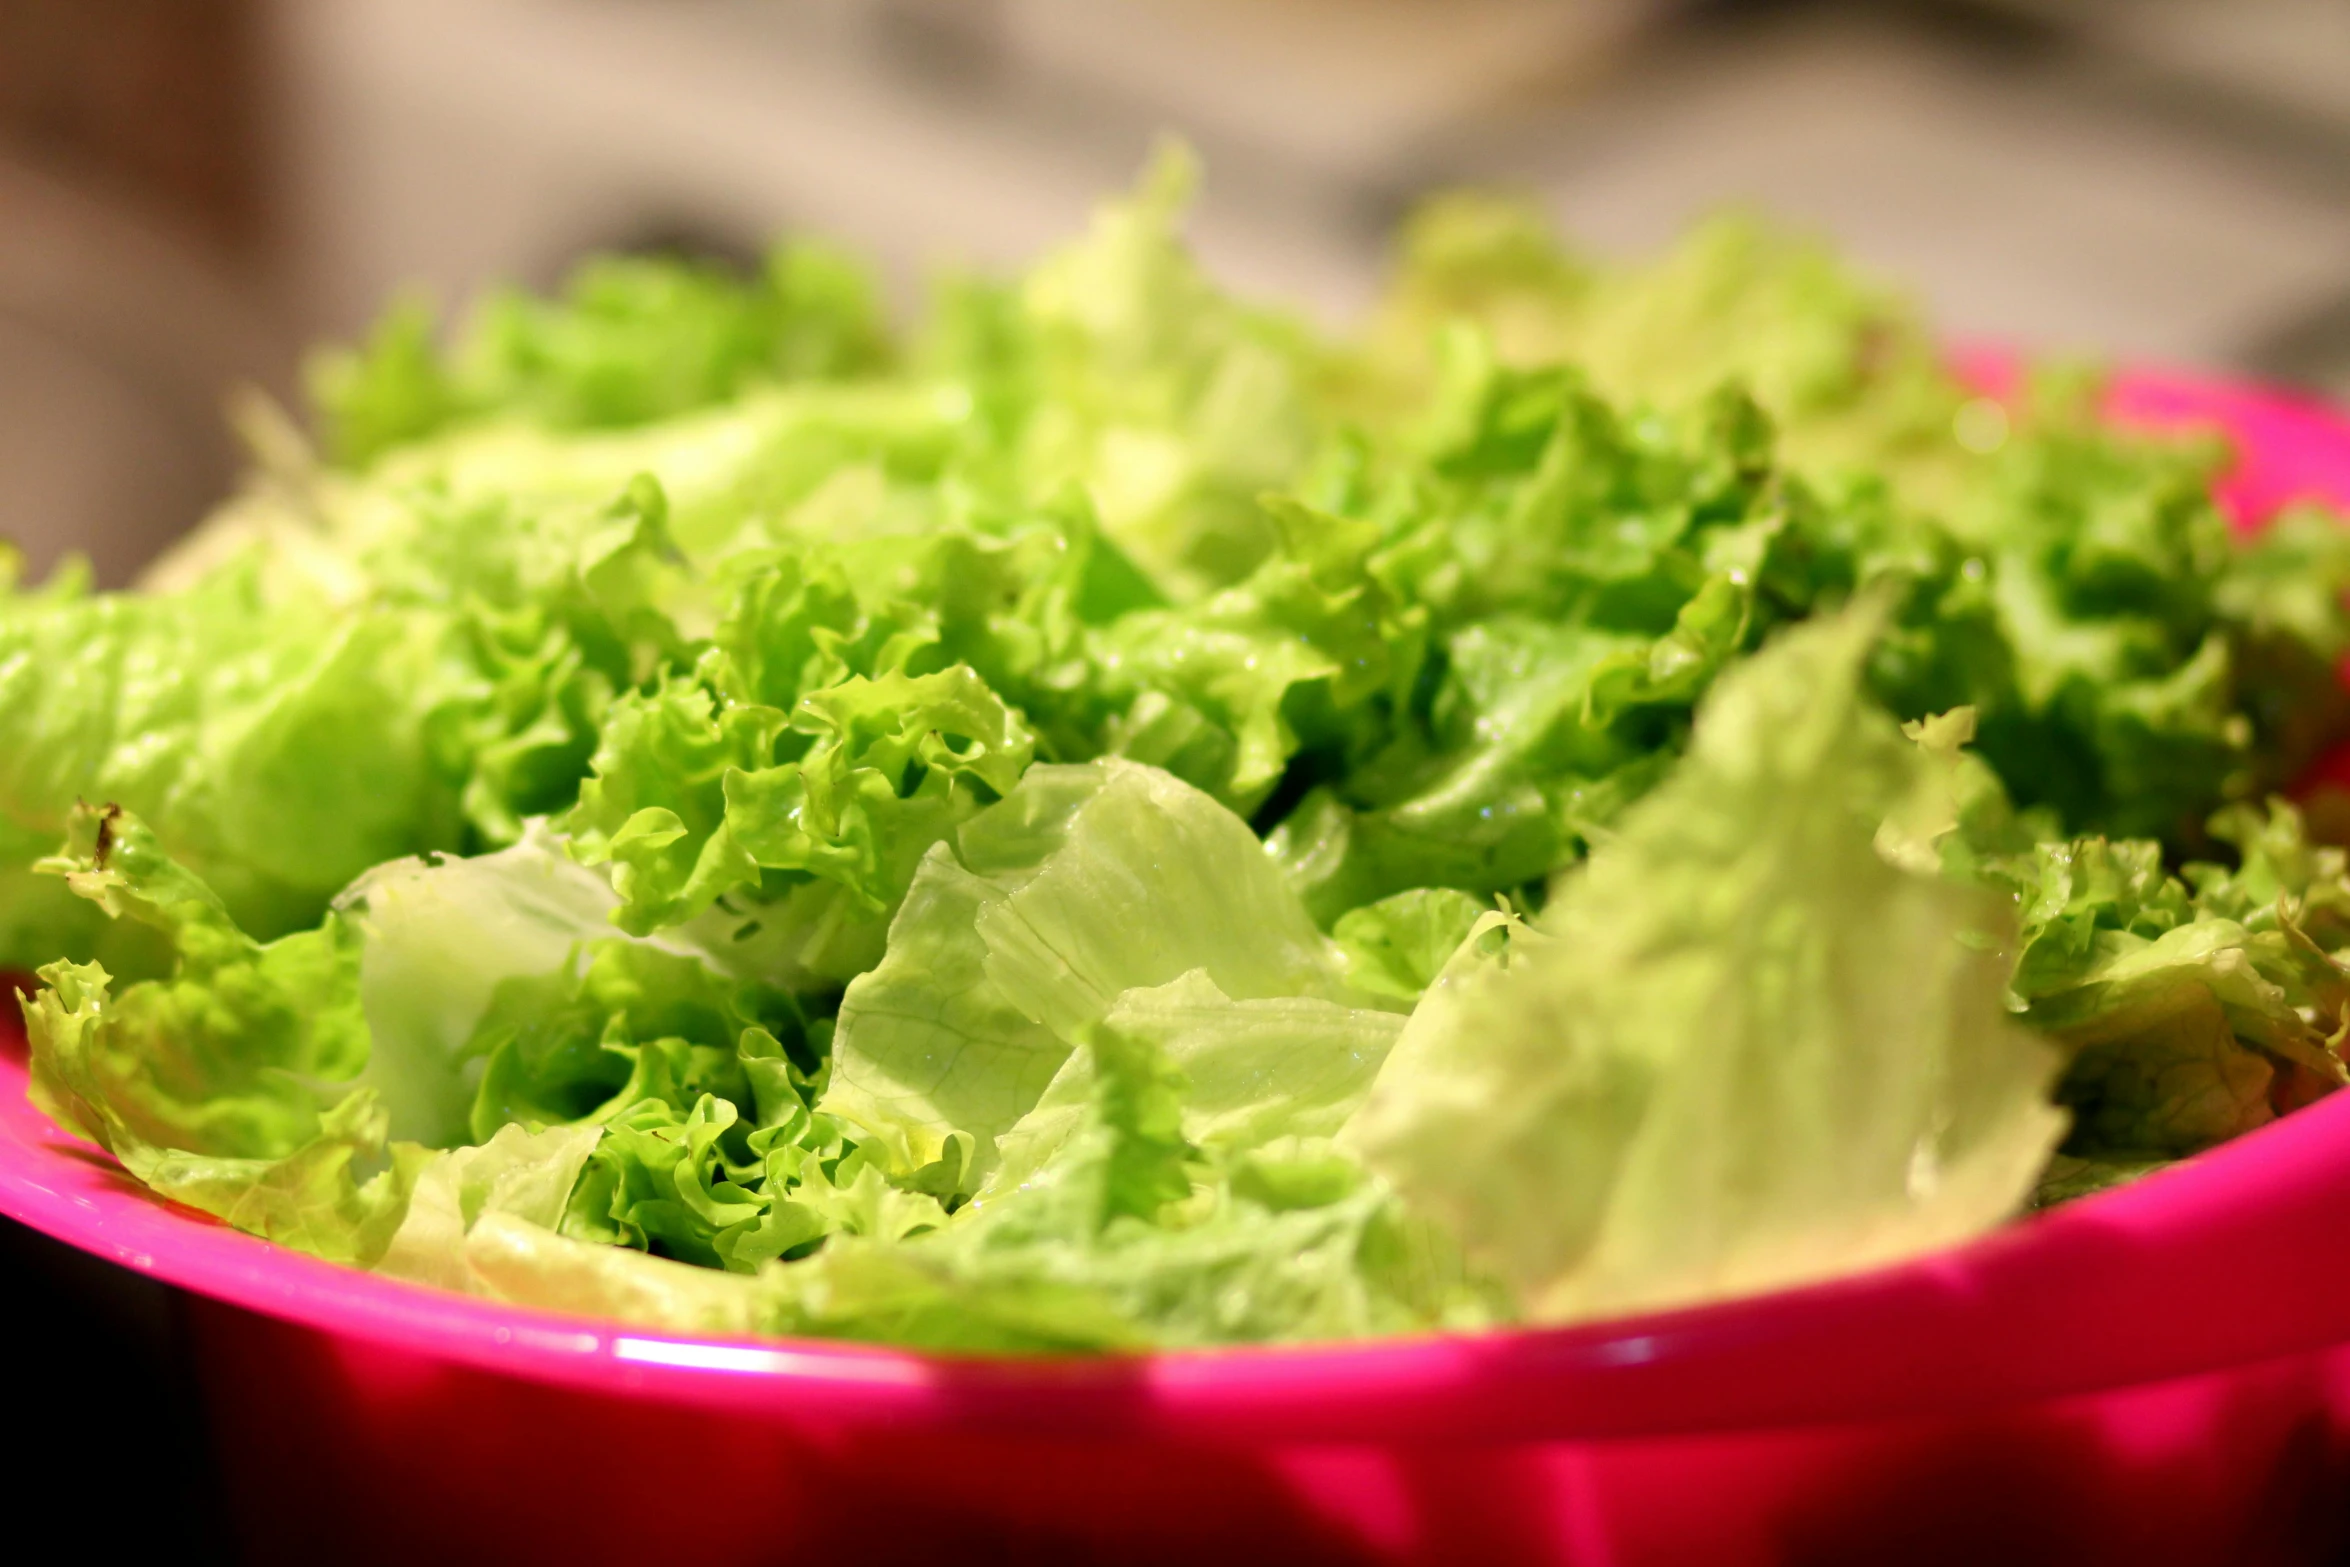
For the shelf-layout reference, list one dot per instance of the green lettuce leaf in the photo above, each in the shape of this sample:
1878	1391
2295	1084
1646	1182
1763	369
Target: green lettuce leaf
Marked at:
1309	653
1131	1223
1397	947
528	1175
1120	1238
507	1257
1253	1071
1586	576
437	940
1741	1048
235	1056
2069	1178
634	339
212	711
1021	934
2192	1016
440	1003
1173	405
329	1183
284	731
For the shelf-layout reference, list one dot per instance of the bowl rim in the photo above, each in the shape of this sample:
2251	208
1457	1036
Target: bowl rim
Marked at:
2196	1269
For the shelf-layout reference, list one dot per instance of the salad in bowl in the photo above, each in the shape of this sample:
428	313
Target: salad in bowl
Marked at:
1118	819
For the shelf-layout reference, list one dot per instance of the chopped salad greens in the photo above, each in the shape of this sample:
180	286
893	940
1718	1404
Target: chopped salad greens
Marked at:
1119	819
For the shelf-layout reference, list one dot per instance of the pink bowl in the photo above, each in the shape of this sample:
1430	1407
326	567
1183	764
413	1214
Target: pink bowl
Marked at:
2160	1374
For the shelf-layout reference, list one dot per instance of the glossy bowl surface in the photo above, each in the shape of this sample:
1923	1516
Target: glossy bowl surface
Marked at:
2156	1374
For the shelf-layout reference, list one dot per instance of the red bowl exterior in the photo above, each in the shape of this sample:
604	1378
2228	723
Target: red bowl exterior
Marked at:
2161	1374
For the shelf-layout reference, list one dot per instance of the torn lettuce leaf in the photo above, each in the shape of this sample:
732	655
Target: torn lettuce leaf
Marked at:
496	990
219	713
1845	365
1172	404
1023	933
235	1056
1396	948
1133	1222
1126	1232
1253	1071
436	943
526	1174
325	1181
1740	1048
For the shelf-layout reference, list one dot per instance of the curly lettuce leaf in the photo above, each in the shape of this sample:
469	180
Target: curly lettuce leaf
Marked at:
241	728
325	1181
2195	1010
1586	572
834	731
440	1003
437	940
2074	584
1844	364
1127	1233
284	733
235	1056
632	340
1309	653
1118	366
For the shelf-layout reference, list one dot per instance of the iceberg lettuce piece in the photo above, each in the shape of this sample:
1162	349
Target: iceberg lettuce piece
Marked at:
436	941
518	1172
1740	1049
1085	883
1252	1071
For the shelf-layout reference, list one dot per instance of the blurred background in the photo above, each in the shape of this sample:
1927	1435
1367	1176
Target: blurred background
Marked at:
191	190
